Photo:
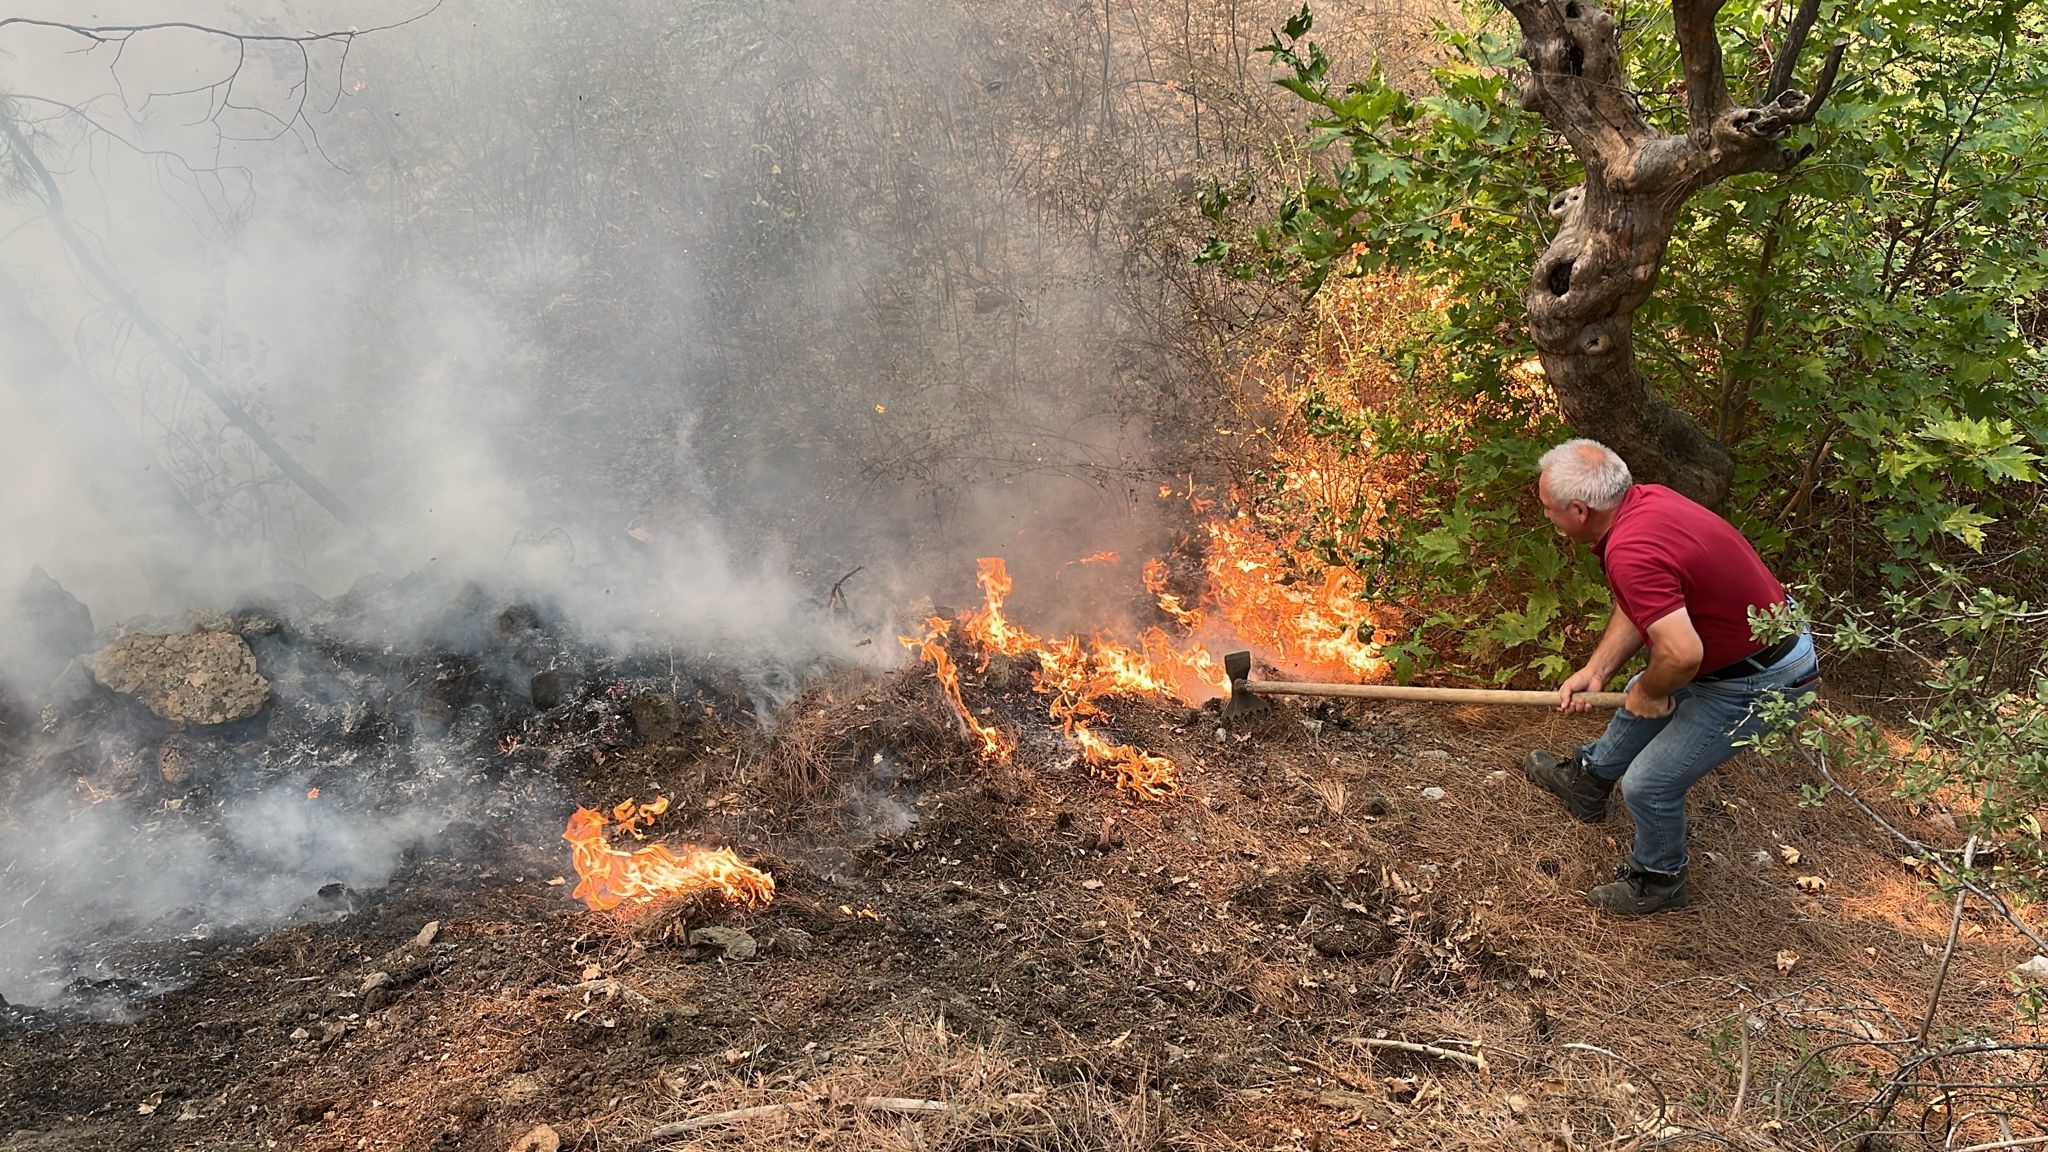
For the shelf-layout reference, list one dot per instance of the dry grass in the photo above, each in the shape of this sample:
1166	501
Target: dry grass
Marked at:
994	1095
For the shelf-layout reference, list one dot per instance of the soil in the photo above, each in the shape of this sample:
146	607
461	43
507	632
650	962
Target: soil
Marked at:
1018	956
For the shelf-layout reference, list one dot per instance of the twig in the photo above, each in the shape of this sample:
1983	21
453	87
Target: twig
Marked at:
1931	855
899	1105
1475	1059
721	1119
1897	1088
908	1104
1995	1145
1742	1081
836	598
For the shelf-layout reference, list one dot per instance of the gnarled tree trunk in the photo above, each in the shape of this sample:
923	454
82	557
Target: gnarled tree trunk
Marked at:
1614	227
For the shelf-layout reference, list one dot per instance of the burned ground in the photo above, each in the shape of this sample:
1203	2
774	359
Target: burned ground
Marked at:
1055	964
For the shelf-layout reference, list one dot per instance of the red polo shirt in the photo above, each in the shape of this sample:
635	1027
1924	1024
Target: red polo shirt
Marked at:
1664	552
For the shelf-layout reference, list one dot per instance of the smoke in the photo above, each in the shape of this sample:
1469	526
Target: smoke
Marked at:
670	317
673	317
81	882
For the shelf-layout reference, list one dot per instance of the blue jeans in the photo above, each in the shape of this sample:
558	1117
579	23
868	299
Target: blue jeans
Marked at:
1658	761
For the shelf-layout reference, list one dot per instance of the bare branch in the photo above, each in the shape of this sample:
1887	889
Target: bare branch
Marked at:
1787	58
119	33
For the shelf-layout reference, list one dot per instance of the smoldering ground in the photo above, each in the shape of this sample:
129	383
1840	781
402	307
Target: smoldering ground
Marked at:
666	316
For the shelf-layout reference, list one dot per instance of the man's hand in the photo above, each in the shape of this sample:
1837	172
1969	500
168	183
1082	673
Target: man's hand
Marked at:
1584	680
1640	703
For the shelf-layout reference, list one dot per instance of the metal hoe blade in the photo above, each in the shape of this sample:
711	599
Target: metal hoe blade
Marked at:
1238	666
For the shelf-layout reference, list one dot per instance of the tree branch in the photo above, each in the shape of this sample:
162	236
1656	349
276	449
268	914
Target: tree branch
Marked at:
175	351
1575	80
119	33
1699	48
1787	58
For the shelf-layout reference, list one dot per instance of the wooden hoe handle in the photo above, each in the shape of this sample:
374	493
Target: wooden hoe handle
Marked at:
1407	692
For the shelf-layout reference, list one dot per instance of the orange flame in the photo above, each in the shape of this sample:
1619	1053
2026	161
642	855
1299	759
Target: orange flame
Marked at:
1256	598
995	747
610	877
1318	627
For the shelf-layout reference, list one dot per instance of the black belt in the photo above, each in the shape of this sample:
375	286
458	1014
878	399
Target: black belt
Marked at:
1760	660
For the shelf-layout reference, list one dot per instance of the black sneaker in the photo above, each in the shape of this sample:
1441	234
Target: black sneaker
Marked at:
1584	794
1635	892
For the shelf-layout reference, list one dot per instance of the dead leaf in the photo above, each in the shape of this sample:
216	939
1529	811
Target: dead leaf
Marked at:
148	1106
1811	883
1787	960
1091	885
1788	854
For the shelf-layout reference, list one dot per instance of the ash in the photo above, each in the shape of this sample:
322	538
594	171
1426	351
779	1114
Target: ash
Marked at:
136	848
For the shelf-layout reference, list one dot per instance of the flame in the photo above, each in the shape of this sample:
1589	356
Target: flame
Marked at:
1098	558
1256	597
995	747
1319	627
312	793
1155	583
610	877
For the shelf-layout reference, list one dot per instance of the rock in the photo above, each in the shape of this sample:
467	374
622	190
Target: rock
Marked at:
1432	754
300	1035
731	942
541	1139
656	716
72	690
2035	970
425	939
552	687
1433	793
175	761
43	629
186	678
374	981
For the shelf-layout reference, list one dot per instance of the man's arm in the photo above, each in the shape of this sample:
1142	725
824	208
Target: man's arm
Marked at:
1621	641
1675	652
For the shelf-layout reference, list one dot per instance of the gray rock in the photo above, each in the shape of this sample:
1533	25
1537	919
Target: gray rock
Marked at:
186	678
656	716
733	943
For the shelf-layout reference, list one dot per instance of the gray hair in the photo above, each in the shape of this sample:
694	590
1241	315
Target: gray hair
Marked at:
1587	471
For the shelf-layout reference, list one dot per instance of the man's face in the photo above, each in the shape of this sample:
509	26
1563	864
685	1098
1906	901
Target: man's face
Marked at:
1571	519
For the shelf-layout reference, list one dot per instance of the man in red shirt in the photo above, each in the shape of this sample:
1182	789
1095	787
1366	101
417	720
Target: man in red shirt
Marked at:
1684	584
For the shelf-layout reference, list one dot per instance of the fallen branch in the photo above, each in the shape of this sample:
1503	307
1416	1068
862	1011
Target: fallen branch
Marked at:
1473	1058
721	1119
899	1105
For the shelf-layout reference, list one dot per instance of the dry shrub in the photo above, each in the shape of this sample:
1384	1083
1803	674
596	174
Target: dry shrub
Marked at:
998	1101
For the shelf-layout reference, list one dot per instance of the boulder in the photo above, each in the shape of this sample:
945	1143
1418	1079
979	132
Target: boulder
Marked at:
185	678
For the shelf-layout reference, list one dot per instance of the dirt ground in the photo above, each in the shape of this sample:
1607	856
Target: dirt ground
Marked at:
1019	957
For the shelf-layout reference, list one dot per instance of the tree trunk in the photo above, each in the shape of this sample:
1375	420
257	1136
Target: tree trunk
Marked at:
1614	227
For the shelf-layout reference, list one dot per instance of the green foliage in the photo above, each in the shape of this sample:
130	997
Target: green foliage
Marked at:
1971	729
1865	333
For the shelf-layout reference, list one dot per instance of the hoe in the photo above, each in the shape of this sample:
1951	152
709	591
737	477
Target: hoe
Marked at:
1245	693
